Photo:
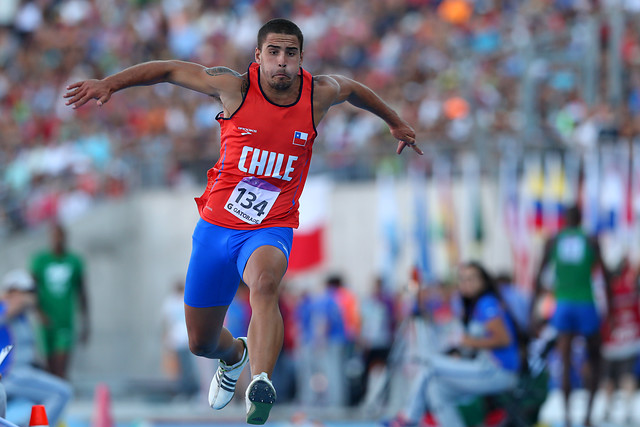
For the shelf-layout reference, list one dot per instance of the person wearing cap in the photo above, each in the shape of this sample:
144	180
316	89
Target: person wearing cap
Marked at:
21	378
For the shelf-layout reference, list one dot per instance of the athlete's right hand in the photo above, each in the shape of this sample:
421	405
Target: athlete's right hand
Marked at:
81	92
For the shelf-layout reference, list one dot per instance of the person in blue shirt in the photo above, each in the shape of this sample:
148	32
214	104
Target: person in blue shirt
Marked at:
21	378
487	360
321	350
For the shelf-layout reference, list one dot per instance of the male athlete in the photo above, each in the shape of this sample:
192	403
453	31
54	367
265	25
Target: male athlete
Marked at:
575	257
250	205
60	288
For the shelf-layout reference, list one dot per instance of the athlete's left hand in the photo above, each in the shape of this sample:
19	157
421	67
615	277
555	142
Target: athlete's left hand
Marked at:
406	137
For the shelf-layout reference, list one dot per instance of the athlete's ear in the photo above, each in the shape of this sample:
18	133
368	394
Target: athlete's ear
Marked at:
257	55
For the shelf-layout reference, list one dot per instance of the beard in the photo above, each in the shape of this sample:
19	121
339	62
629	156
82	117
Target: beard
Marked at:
281	84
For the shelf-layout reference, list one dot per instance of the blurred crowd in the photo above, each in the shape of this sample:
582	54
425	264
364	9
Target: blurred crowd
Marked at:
346	349
333	340
490	73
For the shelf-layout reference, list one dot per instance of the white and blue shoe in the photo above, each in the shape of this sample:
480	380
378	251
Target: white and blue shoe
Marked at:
223	384
259	398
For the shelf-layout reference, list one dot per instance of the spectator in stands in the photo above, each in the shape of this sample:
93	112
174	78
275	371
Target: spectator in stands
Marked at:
351	318
176	343
376	337
487	361
20	376
35	39
321	351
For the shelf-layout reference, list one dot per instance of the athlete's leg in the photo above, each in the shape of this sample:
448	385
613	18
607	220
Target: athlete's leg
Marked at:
208	338
564	321
593	372
263	272
58	363
211	283
564	344
62	341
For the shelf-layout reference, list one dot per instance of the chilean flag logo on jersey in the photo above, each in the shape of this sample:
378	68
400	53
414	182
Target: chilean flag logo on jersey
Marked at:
300	138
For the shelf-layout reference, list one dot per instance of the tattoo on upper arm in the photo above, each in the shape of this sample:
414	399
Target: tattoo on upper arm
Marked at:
218	71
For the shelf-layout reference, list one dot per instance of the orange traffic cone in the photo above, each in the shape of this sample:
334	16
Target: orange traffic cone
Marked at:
38	416
102	415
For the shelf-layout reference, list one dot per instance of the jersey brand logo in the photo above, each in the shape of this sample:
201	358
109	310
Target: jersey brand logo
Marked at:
300	138
246	131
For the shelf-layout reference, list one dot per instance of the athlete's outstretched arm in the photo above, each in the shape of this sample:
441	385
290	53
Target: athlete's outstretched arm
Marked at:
186	74
361	96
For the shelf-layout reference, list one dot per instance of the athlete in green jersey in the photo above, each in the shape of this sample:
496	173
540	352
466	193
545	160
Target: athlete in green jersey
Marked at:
59	275
575	256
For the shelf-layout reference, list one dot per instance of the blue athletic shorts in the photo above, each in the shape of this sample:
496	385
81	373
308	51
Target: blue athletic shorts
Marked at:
219	256
576	317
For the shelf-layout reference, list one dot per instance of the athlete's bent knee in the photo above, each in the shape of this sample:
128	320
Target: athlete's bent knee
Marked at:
266	286
203	347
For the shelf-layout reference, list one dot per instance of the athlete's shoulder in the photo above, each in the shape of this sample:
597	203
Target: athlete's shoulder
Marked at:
75	258
325	90
229	79
324	82
41	255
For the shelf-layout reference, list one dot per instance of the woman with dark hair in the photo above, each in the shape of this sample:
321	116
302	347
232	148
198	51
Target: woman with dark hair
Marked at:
486	362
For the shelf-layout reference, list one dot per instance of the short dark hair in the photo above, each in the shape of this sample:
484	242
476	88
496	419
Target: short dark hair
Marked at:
279	26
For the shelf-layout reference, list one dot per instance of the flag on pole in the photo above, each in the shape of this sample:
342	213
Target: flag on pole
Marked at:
308	250
553	193
572	164
533	192
388	220
421	231
472	186
516	213
612	191
447	236
634	202
589	192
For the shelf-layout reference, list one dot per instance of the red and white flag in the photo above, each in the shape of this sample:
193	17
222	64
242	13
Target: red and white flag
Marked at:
308	249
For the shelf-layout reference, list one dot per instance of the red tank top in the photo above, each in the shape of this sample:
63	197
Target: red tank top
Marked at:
264	160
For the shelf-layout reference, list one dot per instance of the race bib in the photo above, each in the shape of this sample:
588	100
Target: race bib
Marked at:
252	199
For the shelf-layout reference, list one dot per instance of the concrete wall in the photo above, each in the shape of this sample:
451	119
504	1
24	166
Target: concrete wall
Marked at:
136	248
